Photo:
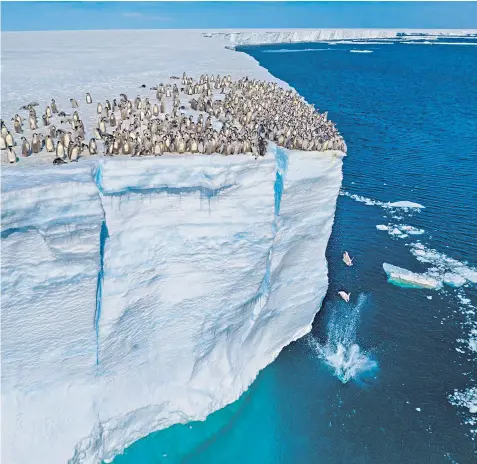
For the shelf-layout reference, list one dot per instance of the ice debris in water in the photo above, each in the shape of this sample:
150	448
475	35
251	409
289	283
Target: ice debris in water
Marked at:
404	278
404	205
401	231
451	271
466	399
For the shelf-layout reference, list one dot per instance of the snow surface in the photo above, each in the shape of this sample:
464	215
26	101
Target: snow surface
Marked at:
257	36
139	293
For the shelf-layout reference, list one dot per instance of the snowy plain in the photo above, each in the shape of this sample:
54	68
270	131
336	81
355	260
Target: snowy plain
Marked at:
140	293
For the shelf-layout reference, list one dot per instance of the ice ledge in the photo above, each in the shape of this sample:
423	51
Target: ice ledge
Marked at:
262	37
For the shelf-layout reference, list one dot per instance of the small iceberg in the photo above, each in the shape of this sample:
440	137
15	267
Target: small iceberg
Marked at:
403	278
405	204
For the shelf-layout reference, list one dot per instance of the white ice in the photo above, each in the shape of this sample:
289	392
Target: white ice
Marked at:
141	293
400	276
264	36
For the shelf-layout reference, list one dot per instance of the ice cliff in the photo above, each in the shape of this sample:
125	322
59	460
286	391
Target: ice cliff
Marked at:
262	37
141	293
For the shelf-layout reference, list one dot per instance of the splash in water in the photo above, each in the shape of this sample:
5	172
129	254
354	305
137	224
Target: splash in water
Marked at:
341	352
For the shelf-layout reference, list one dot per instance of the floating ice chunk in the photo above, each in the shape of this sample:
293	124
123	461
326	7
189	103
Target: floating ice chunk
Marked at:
361	51
454	280
443	264
429	297
418	409
473	344
405	204
404	278
381	227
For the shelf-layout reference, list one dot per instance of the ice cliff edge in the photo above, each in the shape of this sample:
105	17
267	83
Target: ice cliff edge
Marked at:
141	293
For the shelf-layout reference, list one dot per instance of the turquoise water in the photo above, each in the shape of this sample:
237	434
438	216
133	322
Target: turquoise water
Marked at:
371	383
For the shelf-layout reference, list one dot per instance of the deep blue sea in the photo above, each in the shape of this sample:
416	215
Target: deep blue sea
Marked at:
374	381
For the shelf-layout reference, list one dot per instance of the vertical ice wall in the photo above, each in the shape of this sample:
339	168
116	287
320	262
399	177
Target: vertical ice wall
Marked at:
135	297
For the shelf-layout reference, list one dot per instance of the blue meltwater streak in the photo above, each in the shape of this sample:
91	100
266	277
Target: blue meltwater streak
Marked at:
104	235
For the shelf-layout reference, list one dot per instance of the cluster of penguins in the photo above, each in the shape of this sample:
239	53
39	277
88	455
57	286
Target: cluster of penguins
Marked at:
225	117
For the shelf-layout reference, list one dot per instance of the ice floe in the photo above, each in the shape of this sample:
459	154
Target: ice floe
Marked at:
405	278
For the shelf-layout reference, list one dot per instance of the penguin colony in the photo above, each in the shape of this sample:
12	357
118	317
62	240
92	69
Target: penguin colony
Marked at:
223	116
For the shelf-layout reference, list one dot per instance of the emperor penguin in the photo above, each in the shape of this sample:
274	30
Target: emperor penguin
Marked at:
4	129
32	122
74	153
67	139
112	120
99	108
26	149
126	148
49	144
54	108
48	111
3	144
45	119
11	156
102	126
89	100
17	125
9	140
158	149
93	149
193	146
35	144
74	103
60	150
75	116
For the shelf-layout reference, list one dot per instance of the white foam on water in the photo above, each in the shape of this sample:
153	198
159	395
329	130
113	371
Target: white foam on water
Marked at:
361	51
341	352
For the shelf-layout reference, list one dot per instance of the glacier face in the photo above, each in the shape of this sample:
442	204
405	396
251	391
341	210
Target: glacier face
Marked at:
142	293
262	37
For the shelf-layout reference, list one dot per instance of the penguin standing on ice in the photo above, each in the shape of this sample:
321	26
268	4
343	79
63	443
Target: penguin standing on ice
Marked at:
26	149
92	147
54	108
89	100
74	103
9	140
60	150
11	156
49	144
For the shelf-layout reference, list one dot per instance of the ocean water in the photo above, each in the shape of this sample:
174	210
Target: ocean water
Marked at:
375	381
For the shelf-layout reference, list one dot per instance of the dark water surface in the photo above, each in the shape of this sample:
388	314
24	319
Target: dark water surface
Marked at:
348	392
